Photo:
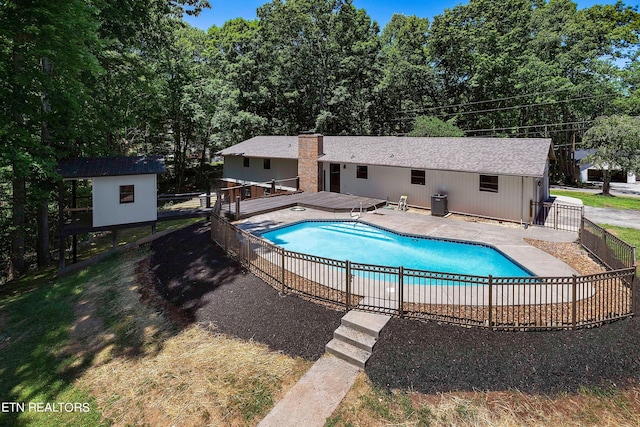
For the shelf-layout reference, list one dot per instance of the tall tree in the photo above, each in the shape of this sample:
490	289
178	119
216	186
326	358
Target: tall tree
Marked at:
613	143
48	49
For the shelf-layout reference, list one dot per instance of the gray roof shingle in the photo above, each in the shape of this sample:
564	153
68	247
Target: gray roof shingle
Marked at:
503	156
89	167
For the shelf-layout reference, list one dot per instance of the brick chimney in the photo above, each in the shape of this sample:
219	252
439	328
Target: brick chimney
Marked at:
309	168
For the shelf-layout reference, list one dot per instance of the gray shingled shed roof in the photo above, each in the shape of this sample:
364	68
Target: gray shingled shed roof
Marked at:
89	167
500	156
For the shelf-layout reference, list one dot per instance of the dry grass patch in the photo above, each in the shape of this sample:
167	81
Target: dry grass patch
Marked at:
196	379
143	369
366	406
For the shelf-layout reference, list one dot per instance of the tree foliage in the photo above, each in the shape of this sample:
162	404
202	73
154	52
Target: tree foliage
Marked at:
614	144
107	77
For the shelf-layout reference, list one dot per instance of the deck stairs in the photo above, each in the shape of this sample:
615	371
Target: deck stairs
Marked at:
354	339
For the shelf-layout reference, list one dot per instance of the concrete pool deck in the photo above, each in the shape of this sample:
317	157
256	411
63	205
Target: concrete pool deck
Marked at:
508	237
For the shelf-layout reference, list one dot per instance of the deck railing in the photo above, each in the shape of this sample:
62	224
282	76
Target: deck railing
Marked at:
501	303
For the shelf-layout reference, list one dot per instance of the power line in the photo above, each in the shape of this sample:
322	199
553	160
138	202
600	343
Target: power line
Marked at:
490	110
530	126
489	100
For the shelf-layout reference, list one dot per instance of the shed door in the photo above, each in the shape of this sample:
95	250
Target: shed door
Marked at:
334	177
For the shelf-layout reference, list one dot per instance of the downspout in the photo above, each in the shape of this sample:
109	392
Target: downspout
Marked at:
521	199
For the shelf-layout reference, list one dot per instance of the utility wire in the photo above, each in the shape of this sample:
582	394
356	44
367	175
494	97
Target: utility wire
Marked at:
489	100
490	110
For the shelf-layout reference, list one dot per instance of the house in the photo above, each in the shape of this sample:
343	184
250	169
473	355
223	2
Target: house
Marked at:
124	189
589	173
489	177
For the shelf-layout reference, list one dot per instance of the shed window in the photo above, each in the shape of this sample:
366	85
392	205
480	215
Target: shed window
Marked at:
362	172
245	162
418	177
489	183
126	194
267	163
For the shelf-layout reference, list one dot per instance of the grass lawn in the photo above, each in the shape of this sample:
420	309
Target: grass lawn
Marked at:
88	339
629	235
600	201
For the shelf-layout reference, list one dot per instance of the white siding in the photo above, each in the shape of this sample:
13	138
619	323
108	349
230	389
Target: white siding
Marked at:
280	169
107	209
511	202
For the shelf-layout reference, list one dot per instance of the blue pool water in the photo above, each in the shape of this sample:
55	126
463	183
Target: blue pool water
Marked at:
362	243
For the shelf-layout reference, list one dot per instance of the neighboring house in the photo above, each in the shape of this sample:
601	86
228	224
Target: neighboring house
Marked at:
124	189
589	173
489	177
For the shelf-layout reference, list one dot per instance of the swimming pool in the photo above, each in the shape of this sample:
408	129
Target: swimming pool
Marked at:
363	243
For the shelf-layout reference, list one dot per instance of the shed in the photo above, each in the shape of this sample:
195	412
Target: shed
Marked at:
124	189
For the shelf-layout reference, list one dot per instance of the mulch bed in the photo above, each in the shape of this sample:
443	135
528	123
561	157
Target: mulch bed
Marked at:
432	358
196	279
198	282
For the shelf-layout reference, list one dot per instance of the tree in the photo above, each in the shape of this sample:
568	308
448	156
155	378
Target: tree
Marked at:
614	144
434	127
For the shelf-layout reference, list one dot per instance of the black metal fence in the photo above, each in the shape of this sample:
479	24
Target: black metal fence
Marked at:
505	303
609	249
555	215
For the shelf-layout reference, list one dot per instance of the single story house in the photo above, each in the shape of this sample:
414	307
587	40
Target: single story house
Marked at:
124	189
488	177
589	173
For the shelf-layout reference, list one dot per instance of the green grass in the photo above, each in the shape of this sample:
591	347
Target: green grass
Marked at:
36	314
600	201
629	235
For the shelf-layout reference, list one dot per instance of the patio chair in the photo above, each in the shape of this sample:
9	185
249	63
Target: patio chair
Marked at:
402	204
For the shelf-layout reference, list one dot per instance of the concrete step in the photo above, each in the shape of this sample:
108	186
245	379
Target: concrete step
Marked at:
347	352
368	323
355	338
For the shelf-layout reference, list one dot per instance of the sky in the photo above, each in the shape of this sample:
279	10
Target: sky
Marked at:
379	10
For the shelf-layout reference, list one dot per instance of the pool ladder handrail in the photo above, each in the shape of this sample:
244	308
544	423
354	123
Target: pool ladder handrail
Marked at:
359	214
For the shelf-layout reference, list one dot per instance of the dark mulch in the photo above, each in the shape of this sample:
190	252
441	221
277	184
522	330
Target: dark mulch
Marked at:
430	358
200	284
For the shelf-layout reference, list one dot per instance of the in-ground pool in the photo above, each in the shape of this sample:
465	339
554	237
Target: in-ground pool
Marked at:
367	244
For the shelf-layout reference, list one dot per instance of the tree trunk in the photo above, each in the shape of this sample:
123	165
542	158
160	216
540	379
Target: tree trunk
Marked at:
606	183
43	232
18	265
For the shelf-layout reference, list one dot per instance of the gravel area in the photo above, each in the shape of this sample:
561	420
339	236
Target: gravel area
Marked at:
199	283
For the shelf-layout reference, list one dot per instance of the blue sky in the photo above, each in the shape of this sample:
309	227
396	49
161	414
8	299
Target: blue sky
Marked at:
380	10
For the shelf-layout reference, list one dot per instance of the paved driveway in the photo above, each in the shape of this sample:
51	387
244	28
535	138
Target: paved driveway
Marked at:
621	218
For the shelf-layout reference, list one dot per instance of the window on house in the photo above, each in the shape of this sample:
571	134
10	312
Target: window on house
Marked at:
126	194
362	172
418	177
245	161
489	183
267	163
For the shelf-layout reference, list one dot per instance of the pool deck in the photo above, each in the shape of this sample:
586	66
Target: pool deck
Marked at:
508	238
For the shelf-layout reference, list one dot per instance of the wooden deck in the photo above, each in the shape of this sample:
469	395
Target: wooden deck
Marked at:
332	202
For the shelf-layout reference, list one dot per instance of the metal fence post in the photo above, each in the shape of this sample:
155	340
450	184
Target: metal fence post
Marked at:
284	287
348	284
574	301
237	208
490	301
555	216
400	291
